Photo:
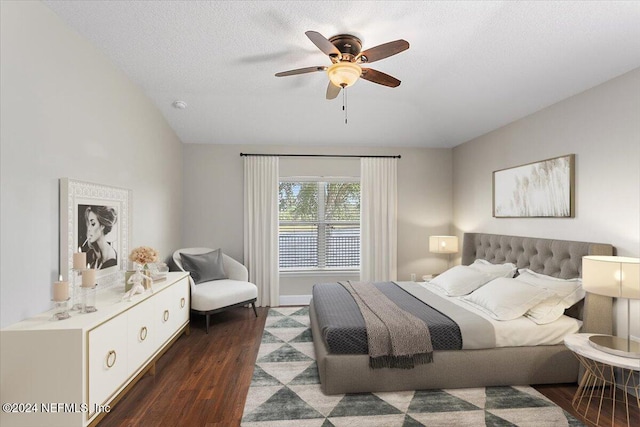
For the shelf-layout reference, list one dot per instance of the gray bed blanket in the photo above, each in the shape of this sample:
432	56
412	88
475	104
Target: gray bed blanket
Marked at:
451	327
396	338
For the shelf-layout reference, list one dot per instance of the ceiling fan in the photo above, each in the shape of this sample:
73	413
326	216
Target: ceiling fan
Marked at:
344	50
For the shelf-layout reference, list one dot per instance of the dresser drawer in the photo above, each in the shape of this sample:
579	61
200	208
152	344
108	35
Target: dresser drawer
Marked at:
142	335
182	292
107	360
172	309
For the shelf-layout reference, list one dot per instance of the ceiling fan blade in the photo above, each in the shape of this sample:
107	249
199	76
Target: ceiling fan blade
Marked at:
379	77
332	91
383	51
301	71
322	43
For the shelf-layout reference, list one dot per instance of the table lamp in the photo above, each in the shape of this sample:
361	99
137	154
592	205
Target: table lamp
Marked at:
444	245
618	277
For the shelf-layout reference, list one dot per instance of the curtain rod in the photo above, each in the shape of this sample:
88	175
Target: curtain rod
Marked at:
318	155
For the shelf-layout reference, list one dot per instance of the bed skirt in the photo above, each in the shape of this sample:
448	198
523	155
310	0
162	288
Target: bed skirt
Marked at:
346	373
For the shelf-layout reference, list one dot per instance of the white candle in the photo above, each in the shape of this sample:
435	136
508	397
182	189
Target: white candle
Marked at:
89	277
79	260
60	290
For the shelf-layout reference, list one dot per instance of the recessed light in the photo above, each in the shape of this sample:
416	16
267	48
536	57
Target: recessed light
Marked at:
180	105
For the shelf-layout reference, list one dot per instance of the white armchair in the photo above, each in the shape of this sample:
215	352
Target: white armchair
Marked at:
217	295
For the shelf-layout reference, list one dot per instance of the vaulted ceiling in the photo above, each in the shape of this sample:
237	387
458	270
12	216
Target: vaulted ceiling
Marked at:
472	66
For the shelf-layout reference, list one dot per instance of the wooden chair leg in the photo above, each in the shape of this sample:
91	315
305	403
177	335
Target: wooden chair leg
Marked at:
253	304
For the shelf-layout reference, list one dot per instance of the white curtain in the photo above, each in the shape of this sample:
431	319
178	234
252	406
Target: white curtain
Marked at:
378	219
261	227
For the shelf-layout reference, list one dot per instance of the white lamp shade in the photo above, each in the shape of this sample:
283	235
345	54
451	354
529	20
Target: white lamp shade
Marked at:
344	74
612	276
443	244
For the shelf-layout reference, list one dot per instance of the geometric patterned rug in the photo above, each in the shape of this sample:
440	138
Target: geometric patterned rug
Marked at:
285	392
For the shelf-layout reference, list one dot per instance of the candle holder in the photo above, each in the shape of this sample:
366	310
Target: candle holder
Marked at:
88	299
61	311
76	302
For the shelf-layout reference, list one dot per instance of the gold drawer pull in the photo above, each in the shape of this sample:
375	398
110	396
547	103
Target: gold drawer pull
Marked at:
165	316
182	302
143	333
109	363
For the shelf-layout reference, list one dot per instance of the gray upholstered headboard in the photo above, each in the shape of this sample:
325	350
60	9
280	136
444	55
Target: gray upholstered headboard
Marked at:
557	258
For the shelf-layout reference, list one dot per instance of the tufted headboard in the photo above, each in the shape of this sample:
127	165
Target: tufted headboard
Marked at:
557	258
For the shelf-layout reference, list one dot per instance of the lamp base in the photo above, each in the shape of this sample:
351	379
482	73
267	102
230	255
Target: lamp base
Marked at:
616	345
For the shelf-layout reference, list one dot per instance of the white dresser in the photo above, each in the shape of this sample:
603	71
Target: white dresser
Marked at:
66	373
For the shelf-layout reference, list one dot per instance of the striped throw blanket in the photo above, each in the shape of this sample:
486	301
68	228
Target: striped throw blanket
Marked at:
397	339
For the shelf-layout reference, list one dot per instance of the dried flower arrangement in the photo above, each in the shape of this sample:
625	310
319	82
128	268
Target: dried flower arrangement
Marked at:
144	255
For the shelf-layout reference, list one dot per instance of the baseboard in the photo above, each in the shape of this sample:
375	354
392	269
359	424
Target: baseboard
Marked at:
295	299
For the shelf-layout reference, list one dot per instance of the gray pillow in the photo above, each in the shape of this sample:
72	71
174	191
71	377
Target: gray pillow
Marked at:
204	267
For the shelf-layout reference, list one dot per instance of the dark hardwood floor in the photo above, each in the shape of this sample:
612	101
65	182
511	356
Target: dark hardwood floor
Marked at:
562	395
202	380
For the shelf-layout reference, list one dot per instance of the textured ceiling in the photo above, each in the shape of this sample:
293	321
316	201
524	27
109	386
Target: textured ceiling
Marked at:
472	66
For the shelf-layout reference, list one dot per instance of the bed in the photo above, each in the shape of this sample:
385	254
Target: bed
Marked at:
522	365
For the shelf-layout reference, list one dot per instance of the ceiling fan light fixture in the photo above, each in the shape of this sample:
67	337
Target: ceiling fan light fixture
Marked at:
344	74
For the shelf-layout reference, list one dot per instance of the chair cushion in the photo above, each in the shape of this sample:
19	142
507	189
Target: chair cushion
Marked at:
204	267
217	294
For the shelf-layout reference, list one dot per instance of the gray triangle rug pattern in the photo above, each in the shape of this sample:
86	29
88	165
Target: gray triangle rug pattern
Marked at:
285	392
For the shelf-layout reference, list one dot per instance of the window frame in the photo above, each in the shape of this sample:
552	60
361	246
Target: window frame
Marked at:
321	223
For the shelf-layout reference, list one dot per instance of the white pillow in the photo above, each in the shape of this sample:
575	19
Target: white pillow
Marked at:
507	299
547	311
460	280
567	291
507	269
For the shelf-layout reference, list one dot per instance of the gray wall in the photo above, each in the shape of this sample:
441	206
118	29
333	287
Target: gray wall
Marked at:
213	186
602	127
68	112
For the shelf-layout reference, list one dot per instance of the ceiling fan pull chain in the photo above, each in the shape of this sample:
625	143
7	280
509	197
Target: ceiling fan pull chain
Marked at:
344	104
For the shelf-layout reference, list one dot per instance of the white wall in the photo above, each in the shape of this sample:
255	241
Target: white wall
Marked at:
213	198
602	127
68	112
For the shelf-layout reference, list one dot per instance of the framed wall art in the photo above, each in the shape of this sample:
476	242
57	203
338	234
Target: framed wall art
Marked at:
94	219
543	189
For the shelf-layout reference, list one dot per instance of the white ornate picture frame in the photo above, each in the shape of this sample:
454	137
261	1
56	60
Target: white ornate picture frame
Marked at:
77	200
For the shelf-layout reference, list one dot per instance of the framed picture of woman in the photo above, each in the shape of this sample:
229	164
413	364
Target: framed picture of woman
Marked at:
98	235
94	219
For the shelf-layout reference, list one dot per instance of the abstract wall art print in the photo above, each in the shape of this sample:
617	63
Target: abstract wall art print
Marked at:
543	189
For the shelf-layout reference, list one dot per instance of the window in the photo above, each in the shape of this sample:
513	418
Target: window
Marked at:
319	225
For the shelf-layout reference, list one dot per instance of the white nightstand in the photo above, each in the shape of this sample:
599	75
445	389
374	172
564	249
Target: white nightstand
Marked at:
600	372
